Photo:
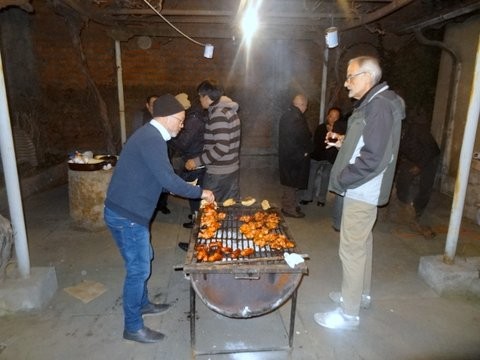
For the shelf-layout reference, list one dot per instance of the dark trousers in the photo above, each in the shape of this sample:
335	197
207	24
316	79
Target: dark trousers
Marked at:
416	189
162	200
289	201
224	186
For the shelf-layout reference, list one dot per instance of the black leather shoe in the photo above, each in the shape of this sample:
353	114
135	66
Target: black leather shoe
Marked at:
144	335
297	214
154	309
183	246
188	225
305	202
164	210
319	203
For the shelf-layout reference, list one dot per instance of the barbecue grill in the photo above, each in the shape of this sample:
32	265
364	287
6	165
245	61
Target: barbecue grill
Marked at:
245	287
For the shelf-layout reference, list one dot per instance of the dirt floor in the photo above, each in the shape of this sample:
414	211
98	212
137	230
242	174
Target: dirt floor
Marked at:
407	319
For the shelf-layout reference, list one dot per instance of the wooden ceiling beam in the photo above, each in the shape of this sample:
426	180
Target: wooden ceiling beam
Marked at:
178	14
23	4
216	31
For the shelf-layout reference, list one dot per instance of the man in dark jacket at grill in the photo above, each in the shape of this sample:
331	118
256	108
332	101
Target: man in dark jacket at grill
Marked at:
294	147
142	172
189	144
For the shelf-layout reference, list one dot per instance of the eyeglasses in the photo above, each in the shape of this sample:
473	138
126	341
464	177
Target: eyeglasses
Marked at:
181	120
350	77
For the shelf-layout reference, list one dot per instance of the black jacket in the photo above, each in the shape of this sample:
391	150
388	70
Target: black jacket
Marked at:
189	142
294	141
320	152
418	145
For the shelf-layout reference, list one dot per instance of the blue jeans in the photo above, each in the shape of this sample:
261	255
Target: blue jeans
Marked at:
133	241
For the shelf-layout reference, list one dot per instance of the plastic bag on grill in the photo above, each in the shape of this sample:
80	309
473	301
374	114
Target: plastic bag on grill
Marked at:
293	259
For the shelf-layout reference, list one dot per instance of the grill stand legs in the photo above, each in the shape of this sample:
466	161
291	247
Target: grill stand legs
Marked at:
292	318
193	338
192	319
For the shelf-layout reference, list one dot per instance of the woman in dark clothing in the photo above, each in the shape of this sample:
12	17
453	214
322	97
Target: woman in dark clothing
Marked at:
322	159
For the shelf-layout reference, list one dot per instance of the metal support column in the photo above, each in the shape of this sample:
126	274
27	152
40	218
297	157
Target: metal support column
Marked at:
12	183
466	154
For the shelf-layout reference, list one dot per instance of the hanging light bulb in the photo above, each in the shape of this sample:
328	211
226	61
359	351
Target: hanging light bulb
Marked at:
250	21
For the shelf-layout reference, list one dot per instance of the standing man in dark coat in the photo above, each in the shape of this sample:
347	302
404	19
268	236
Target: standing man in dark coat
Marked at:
189	144
294	147
418	160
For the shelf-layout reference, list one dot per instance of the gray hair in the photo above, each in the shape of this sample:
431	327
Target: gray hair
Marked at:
370	65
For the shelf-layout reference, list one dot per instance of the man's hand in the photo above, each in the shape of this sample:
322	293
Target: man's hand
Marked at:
334	139
208	196
190	165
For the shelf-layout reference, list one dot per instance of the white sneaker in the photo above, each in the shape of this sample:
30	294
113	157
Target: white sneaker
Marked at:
337	298
337	320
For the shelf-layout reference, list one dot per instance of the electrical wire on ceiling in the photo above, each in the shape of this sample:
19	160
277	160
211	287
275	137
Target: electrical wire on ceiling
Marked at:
173	26
313	7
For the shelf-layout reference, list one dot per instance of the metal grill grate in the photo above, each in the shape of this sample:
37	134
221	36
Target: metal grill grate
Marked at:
230	236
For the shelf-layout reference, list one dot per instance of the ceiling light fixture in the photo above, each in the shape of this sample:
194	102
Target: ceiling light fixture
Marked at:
331	37
208	48
249	21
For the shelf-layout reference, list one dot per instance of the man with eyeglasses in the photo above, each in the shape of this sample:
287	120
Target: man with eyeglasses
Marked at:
363	173
142	172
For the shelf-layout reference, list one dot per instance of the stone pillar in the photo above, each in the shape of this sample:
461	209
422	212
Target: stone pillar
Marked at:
87	191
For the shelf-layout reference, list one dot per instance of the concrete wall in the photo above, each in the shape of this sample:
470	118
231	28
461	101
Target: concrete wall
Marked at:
463	39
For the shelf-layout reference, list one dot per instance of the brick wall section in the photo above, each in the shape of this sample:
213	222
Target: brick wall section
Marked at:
262	83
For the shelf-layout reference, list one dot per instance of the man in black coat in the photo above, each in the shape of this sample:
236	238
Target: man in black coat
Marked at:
294	147
189	144
417	162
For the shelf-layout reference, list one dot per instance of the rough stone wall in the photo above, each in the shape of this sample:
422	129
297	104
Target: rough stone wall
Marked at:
6	242
472	203
86	192
463	39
